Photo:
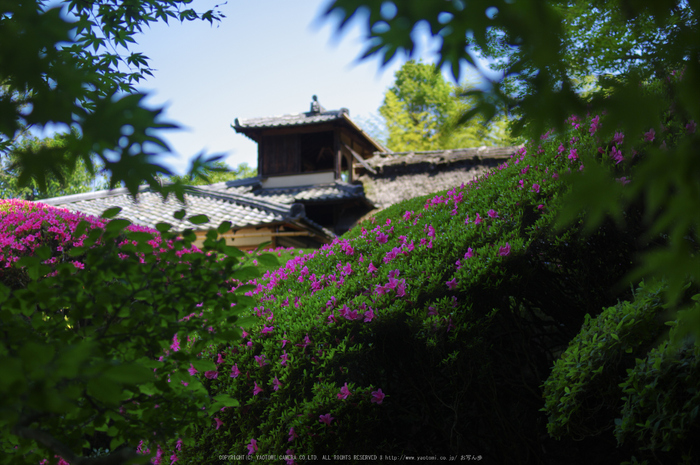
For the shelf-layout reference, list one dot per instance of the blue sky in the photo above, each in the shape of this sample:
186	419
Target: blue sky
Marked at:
267	57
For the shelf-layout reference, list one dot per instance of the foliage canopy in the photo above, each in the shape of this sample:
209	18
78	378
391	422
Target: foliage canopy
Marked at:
545	49
70	65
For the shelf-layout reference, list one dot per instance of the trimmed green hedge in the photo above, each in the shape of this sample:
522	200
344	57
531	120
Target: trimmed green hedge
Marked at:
582	395
620	378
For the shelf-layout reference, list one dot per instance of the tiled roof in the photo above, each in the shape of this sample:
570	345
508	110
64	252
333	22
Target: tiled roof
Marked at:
438	157
251	126
149	209
297	119
401	176
384	192
331	192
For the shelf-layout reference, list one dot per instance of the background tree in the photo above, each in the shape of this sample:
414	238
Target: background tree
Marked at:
544	49
76	180
217	172
422	111
70	64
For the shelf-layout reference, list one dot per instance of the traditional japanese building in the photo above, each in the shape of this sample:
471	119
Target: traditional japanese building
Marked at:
318	174
304	195
313	158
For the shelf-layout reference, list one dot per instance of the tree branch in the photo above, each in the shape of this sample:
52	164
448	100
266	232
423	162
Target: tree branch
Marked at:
117	457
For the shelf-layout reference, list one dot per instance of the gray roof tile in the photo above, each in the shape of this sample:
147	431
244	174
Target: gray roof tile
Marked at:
149	208
298	119
332	192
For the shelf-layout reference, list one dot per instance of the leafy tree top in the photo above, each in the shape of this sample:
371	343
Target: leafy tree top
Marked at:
422	110
75	179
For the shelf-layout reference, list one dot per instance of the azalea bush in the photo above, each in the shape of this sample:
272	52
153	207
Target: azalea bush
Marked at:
430	329
102	325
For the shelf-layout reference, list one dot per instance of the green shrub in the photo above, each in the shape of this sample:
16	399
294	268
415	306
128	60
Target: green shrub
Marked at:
618	377
582	394
661	401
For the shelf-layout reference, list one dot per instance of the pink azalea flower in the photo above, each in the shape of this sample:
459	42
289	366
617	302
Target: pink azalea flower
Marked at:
292	435
218	423
617	155
175	346
623	180
351	315
192	370
504	251
344	392
371	268
256	390
327	418
268	329
219	359
173	459
401	288
573	154
290	461
378	396
469	254
690	127
492	213
276	384
212	374
235	371
261	360
618	138
536	188
649	135
284	357
252	447
392	254
452	284
369	314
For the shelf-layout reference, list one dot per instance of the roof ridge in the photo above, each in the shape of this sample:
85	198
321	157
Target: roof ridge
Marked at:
60	200
253	201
